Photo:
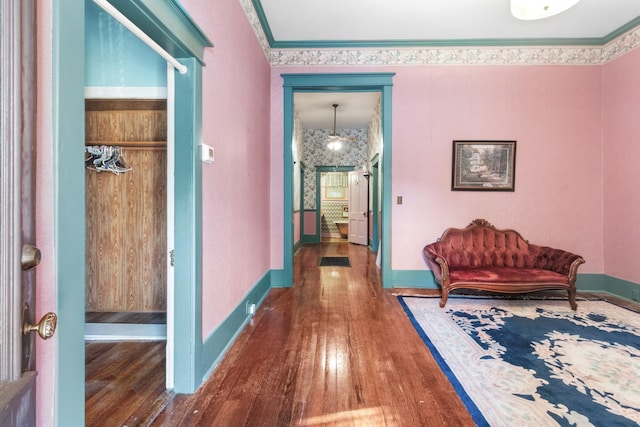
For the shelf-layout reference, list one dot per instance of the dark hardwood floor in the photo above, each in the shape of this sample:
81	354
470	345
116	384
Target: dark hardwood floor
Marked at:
334	350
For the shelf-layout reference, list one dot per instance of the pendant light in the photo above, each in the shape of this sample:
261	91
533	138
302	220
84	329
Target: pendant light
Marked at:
538	9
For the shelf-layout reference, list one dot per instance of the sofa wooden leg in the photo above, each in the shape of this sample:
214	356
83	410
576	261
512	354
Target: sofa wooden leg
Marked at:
572	300
443	300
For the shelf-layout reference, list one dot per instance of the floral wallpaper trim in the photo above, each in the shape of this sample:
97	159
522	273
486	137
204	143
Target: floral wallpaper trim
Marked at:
525	55
254	21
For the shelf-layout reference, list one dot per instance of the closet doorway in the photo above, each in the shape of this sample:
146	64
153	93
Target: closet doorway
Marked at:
126	218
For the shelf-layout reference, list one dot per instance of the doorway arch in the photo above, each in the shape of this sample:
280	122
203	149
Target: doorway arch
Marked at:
339	82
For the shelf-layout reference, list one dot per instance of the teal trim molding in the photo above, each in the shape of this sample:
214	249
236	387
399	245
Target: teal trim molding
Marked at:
278	279
350	44
421	279
338	82
264	23
311	238
69	209
168	24
612	285
219	341
188	229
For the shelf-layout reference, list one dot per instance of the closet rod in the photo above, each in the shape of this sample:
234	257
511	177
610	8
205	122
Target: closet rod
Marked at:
117	15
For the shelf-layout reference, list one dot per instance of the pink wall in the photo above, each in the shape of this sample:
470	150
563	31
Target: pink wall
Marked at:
296	227
310	223
553	112
236	186
621	160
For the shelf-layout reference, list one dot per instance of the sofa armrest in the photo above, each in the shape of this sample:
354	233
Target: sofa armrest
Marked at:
558	260
437	264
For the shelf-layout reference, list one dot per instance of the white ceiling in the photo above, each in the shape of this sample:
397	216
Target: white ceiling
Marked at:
431	20
345	23
355	109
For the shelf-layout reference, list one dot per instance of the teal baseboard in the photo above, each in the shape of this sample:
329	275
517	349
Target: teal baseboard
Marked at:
278	280
422	279
609	284
311	238
215	346
591	282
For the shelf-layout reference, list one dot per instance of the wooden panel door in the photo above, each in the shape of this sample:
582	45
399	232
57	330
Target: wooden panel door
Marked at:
358	207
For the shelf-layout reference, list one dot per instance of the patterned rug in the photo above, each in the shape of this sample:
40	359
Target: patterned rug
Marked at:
536	363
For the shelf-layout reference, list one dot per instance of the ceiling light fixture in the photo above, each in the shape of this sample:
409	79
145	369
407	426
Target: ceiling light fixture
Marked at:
537	9
335	141
334	145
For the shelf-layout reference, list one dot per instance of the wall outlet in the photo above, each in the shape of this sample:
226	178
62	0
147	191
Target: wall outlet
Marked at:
251	308
635	295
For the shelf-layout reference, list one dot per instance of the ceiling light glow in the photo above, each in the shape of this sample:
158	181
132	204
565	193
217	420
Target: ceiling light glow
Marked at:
538	9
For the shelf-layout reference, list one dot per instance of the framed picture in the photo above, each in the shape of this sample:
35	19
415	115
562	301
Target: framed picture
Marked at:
483	166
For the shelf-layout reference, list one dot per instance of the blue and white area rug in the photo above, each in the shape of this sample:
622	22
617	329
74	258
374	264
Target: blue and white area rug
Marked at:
536	363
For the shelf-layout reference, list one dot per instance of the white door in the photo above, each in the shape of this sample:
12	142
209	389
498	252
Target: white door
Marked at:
358	207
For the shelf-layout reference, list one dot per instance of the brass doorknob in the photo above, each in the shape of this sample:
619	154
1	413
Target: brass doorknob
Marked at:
46	327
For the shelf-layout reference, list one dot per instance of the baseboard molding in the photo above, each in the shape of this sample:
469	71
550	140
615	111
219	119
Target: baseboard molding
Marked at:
216	345
624	288
278	279
311	238
421	279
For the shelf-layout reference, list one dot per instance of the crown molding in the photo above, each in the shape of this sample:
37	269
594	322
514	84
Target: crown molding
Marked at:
479	52
168	24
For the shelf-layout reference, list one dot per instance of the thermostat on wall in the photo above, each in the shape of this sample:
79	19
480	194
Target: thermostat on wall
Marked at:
207	153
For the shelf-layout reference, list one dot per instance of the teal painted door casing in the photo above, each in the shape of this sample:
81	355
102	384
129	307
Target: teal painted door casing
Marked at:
176	33
338	82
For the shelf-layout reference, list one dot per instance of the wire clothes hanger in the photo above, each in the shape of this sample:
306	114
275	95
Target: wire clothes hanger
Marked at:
106	158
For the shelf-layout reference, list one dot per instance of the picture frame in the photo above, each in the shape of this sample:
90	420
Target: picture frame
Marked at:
483	166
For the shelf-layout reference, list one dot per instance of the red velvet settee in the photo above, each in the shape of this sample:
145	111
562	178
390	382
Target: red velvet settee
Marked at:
482	257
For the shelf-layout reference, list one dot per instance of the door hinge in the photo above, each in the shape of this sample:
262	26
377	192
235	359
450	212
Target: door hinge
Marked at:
172	257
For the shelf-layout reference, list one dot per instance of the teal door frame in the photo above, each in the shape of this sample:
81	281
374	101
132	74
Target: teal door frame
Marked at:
167	24
375	205
339	82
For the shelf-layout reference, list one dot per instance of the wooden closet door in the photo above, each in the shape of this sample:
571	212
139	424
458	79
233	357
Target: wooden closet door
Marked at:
126	213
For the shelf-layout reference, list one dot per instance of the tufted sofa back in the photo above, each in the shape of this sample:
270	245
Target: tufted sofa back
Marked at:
483	246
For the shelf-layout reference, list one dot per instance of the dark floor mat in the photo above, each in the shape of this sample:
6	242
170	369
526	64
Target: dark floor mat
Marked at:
335	261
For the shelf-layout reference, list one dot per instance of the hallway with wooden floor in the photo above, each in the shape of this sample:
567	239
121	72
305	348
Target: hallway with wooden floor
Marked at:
334	350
